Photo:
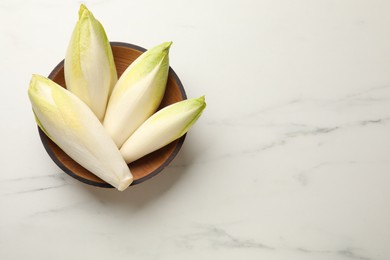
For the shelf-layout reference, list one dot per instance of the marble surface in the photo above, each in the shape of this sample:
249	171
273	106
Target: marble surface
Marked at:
289	161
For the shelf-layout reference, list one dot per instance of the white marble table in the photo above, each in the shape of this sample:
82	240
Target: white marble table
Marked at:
291	159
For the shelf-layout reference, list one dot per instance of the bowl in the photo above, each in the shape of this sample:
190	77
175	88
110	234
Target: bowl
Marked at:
145	167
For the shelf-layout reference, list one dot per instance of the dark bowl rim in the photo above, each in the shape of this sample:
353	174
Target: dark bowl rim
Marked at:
44	138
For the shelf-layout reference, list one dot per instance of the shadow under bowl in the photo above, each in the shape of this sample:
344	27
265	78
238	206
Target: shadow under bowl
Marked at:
145	167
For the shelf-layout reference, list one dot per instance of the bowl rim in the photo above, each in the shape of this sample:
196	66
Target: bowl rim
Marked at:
45	139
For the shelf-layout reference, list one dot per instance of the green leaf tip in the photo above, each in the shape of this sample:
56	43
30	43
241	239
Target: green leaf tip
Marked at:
162	48
83	11
167	45
201	107
200	102
202	99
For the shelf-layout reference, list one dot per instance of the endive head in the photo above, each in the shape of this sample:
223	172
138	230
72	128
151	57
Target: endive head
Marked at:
90	71
77	131
166	125
199	105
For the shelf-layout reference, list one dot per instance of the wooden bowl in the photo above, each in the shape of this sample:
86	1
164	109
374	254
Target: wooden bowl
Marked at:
147	166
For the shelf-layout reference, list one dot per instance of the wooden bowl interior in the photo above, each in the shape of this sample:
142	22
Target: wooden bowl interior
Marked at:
142	169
